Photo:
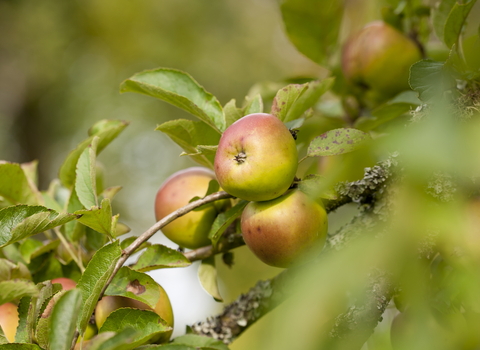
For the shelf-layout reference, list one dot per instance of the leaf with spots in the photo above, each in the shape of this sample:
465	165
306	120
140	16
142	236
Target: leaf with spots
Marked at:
157	257
181	90
285	99
22	221
94	279
207	274
135	285
147	323
337	141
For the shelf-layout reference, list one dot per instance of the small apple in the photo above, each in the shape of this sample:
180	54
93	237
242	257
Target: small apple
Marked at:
287	230
9	320
377	60
191	230
108	304
257	158
66	283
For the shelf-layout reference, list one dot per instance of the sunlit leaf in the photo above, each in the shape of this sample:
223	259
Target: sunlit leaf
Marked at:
207	274
98	219
14	185
85	181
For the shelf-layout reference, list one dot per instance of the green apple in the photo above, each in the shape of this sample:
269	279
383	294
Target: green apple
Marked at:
9	320
288	230
66	283
257	158
377	60
108	304
191	230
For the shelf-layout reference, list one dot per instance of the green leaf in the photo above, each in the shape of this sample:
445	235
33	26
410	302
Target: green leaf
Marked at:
285	99
107	131
313	26
134	285
15	346
64	315
170	346
224	220
200	341
14	185
3	338
207	274
148	324
189	134
30	170
38	304
31	248
95	277
430	79
400	104
98	219
44	324
48	269
16	289
203	150
22	221
232	113
111	192
158	256
24	330
315	187
73	227
127	241
114	341
10	271
253	105
455	21
85	181
181	90
337	141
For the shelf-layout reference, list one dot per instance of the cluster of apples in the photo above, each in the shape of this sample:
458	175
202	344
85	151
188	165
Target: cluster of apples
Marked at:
9	317
256	160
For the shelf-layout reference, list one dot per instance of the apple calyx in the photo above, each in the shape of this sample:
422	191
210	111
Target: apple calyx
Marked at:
240	158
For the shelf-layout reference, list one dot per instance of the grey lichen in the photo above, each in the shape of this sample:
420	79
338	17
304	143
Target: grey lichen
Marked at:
442	186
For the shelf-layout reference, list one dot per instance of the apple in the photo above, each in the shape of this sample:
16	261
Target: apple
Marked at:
9	320
377	60
257	158
287	230
66	283
191	230
108	304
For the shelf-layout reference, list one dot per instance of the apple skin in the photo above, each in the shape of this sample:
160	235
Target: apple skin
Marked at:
286	231
66	283
9	320
108	304
191	230
378	59
257	158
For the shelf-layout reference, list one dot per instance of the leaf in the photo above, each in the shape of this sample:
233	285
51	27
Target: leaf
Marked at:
22	221
314	186
147	323
455	21
110	192
224	220
16	289
98	219
85	181
313	26
107	131
14	185
285	99
44	324
207	274
24	330
113	341
232	113
429	79
440	15
10	271
134	285
203	150
337	141
127	241
31	248
189	134
200	341
15	346
64	315
30	170
181	90
72	206
48	269
400	104
95	277
38	304
158	256
3	338
253	105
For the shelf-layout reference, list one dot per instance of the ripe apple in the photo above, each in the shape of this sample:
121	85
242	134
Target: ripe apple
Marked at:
377	60
66	283
256	158
287	230
191	230
9	320
108	304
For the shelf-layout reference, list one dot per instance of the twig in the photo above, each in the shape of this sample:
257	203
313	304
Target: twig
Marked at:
67	247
